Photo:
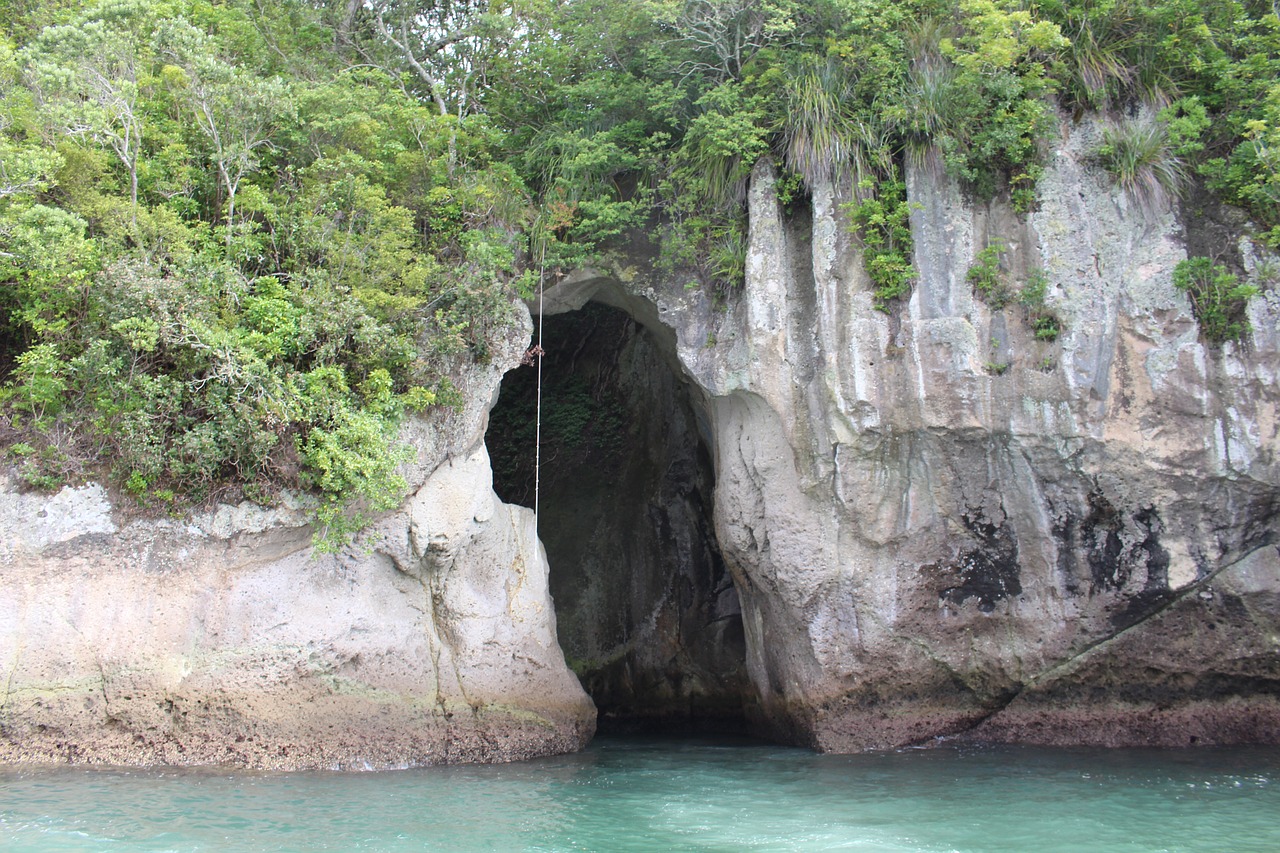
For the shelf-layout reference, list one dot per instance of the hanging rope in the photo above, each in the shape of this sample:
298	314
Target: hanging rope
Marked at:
538	353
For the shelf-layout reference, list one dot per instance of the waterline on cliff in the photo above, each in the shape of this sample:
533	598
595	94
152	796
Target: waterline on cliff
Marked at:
663	794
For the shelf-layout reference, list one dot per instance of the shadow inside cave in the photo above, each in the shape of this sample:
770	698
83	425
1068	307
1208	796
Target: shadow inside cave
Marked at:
647	613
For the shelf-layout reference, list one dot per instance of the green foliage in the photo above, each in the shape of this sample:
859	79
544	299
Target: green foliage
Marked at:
219	275
236	110
39	469
1043	320
26	165
722	143
1096	68
988	278
351	459
239	240
978	95
819	138
991	283
1138	155
1210	68
47	261
1218	298
39	382
882	218
996	365
704	193
90	74
579	419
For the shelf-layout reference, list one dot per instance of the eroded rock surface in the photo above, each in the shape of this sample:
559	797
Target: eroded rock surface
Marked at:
940	525
224	639
936	525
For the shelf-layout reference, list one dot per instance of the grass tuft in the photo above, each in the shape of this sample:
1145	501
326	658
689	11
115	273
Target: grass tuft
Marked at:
1140	159
820	138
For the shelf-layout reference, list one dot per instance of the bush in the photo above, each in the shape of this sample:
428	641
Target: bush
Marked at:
881	218
1218	299
39	383
353	463
987	279
1044	322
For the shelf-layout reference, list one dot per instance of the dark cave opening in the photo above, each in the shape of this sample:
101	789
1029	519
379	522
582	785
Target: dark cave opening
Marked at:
646	610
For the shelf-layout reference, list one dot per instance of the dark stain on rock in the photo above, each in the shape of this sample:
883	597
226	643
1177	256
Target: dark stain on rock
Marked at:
1259	527
1149	554
1140	606
1121	552
1156	555
1066	530
989	572
1124	555
1233	609
1100	532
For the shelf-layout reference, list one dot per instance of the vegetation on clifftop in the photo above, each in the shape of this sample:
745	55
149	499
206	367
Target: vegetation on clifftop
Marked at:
233	255
238	240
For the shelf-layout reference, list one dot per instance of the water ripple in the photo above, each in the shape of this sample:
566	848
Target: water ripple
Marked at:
661	795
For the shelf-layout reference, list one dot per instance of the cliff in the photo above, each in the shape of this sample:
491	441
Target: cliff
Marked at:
934	523
942	525
224	638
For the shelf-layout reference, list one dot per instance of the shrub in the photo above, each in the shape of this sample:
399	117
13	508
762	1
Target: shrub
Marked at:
987	279
1044	322
881	218
39	383
1218	299
353	463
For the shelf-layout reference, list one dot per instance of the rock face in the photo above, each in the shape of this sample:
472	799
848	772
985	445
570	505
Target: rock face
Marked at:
935	525
940	525
224	639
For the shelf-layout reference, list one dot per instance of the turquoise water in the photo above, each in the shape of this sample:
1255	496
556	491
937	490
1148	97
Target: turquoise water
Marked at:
659	795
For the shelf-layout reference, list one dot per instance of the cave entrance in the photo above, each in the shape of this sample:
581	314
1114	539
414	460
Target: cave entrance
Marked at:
646	611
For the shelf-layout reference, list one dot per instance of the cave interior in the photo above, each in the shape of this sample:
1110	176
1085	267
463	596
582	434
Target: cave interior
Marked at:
646	608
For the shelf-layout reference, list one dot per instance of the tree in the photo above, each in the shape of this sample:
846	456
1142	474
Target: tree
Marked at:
729	33
87	77
25	165
235	110
443	43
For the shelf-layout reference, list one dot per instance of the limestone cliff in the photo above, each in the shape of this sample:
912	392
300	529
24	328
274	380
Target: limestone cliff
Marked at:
935	524
224	639
939	524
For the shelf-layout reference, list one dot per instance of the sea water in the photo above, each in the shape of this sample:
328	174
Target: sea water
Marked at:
663	795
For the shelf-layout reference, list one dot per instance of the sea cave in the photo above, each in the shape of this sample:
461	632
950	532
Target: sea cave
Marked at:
647	613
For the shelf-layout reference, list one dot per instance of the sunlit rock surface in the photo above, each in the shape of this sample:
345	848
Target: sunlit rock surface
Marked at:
940	525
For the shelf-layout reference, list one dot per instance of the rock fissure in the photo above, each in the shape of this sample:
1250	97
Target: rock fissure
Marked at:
1168	600
1046	677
